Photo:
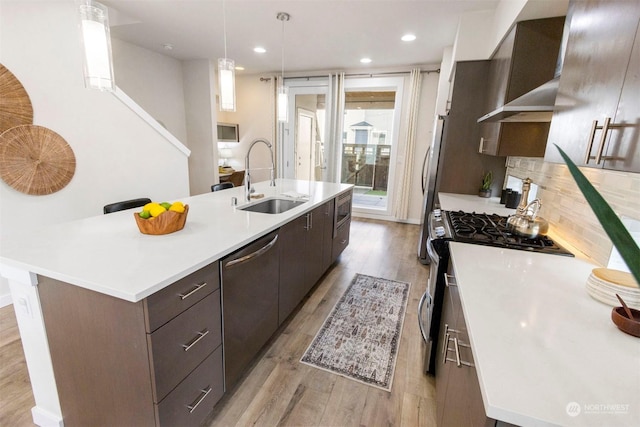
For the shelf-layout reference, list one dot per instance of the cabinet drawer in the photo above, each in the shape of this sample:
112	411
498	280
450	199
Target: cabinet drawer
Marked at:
166	304
180	345
190	402
341	240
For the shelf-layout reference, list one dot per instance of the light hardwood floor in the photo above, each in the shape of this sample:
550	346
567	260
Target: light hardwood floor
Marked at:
277	390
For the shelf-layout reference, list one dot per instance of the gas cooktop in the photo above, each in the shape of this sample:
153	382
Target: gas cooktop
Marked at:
491	230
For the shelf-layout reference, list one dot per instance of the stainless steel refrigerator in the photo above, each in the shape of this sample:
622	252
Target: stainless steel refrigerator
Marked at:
453	163
429	176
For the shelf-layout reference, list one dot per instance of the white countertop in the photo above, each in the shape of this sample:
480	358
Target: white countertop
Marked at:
541	343
473	203
108	254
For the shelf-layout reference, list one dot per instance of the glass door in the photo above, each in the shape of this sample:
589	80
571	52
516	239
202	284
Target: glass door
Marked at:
369	138
304	147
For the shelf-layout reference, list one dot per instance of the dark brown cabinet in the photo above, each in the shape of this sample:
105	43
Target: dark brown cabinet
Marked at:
304	246
525	60
597	116
458	396
461	133
152	363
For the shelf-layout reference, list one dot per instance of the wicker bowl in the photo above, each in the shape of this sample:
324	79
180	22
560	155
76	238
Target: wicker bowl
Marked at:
165	223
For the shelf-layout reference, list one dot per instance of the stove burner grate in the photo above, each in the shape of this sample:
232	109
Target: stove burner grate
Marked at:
491	229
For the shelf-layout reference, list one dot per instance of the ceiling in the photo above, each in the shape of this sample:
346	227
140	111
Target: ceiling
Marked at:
321	34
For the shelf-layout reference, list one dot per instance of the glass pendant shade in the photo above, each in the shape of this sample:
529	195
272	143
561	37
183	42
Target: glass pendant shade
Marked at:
96	43
227	84
283	104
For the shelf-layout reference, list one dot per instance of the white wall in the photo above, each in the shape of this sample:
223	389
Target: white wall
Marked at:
199	92
255	115
118	156
154	81
480	32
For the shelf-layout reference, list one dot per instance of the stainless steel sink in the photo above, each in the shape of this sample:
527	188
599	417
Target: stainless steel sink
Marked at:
272	206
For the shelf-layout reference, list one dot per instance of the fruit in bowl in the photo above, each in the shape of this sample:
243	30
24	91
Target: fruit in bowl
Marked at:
161	218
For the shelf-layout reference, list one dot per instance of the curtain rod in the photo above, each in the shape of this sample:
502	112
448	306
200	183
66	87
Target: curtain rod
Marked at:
390	73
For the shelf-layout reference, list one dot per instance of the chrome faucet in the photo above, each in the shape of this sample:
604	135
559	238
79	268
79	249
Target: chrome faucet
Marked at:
247	173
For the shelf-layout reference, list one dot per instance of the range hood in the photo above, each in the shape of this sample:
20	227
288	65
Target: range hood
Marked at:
534	106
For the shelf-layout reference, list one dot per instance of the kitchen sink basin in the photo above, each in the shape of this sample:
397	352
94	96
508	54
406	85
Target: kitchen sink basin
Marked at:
272	206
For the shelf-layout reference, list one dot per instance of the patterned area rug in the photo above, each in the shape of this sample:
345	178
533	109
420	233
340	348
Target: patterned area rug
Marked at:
359	340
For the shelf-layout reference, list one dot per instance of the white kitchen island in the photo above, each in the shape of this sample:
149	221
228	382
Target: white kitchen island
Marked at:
107	255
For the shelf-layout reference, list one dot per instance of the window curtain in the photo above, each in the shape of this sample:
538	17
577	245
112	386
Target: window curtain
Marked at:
337	117
411	126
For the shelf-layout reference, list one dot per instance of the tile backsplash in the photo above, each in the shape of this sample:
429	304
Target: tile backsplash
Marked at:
566	209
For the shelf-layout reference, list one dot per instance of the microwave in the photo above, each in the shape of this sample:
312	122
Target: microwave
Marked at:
228	132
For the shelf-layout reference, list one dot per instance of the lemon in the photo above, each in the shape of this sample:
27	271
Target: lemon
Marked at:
148	206
145	214
177	207
157	210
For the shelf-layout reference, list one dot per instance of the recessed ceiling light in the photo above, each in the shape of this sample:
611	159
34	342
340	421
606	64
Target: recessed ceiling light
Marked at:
408	38
365	60
259	49
239	68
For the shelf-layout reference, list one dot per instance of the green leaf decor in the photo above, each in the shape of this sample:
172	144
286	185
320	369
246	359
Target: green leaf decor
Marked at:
612	225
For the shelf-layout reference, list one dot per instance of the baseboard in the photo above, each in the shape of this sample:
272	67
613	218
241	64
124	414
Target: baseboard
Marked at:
356	214
44	418
5	300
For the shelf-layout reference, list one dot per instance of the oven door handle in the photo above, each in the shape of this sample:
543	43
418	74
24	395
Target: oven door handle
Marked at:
431	251
420	318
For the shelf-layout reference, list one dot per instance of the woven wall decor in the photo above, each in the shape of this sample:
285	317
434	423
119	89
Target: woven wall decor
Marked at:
35	160
15	105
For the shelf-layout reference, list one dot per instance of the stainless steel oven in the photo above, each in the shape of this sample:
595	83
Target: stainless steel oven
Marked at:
465	227
342	211
430	306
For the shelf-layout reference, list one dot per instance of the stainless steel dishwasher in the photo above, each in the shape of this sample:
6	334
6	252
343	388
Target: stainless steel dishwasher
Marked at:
249	303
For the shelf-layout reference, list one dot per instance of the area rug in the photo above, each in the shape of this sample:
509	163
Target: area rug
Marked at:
359	339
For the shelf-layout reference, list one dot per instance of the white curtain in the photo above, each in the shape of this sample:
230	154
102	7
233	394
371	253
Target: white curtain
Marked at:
411	125
337	115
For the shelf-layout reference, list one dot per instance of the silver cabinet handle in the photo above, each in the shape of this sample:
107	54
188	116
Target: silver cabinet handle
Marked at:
457	350
255	254
481	147
447	329
193	291
459	360
606	127
447	277
193	342
603	138
203	395
309	224
592	136
445	349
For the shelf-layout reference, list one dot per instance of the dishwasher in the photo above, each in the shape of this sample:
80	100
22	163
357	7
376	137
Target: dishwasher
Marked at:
249	303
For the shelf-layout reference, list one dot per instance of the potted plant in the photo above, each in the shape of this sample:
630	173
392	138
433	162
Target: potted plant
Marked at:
485	188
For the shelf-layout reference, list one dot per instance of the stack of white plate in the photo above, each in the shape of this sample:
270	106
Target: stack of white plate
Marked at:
603	284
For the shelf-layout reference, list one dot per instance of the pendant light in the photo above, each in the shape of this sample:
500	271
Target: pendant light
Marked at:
226	73
283	93
96	44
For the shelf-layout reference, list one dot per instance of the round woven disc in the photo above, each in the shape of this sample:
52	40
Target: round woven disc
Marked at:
35	160
15	105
